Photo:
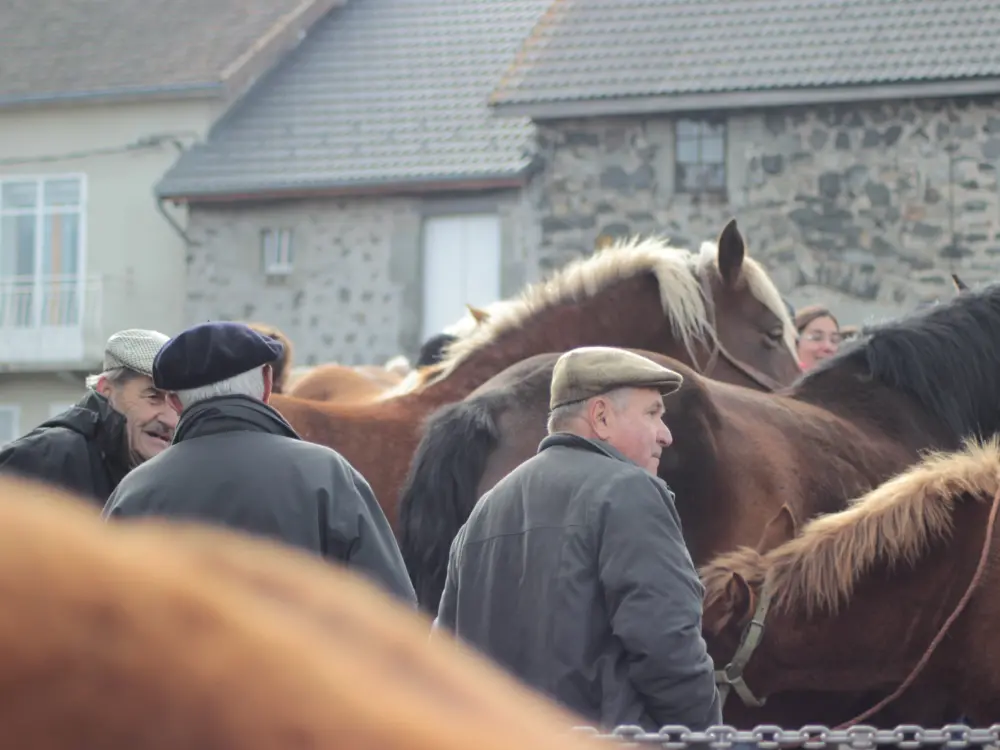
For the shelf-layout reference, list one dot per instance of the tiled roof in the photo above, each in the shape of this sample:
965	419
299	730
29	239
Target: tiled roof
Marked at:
67	49
586	50
382	92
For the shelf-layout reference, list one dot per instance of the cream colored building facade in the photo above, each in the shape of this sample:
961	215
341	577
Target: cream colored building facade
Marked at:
85	247
87	130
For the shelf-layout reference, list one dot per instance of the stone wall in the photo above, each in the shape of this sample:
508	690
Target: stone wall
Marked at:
355	294
866	207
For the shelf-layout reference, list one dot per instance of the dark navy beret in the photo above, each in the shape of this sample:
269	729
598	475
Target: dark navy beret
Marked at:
211	352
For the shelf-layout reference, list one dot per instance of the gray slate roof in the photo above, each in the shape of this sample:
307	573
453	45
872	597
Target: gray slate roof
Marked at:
603	49
54	50
382	92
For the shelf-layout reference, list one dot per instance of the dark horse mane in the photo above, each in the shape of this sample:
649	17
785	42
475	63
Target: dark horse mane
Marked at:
946	358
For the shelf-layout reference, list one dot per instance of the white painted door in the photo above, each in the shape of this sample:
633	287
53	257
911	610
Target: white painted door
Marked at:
461	266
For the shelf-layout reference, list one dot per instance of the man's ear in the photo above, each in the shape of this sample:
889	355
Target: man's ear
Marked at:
268	373
103	386
598	411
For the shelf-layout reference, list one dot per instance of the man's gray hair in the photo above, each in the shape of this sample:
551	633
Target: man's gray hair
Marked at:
563	415
249	383
115	376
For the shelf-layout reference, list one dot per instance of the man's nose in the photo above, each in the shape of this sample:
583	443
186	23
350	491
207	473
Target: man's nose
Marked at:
169	417
665	438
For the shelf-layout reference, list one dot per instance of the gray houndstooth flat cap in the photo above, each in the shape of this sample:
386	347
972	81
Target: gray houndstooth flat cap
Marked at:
134	348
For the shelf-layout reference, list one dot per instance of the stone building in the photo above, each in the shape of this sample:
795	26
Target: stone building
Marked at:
856	143
410	157
363	193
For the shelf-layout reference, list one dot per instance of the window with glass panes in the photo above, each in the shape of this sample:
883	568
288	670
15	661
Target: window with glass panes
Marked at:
700	156
41	230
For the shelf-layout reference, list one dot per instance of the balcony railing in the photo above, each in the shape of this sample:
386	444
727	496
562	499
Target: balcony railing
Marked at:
46	319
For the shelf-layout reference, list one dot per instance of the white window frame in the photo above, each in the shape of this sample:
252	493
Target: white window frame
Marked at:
15	410
701	124
277	250
40	211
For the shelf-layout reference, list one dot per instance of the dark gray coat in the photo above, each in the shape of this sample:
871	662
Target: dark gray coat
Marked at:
84	450
572	573
235	462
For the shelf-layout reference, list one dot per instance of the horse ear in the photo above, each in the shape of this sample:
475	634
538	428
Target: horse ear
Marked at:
960	286
733	608
732	250
780	529
480	316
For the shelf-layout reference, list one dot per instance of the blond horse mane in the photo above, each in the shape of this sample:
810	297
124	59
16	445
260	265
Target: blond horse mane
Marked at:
894	523
675	270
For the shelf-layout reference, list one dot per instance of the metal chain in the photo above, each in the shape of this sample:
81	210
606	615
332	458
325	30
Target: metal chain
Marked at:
810	737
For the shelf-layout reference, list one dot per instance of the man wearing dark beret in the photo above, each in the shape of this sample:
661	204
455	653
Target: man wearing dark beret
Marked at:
572	572
235	461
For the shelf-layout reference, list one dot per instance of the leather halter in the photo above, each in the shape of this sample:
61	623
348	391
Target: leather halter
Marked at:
731	676
718	348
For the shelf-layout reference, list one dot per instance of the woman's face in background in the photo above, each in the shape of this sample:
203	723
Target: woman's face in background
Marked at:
818	341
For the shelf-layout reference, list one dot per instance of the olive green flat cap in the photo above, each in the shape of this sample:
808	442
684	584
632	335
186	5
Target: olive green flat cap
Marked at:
589	371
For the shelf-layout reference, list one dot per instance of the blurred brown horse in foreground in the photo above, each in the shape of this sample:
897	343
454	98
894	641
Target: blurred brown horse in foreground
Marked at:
147	635
717	306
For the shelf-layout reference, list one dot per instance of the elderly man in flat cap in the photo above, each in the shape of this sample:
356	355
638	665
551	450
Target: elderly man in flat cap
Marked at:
236	462
572	572
122	421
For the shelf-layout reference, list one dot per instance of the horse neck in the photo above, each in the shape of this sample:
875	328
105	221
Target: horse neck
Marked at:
876	637
852	395
628	314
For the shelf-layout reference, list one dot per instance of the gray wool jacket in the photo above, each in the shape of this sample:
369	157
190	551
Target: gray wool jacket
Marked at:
235	462
572	574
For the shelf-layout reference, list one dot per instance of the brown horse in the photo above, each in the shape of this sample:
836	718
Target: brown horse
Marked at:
333	382
149	636
343	383
922	382
855	602
641	294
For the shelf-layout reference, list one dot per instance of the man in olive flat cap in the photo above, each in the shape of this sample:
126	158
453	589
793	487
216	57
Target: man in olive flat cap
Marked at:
236	462
572	572
123	420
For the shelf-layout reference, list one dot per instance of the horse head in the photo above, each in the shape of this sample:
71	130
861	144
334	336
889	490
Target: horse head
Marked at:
753	328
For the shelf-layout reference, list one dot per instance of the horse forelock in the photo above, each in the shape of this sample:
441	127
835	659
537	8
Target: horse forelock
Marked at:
895	523
674	269
946	358
716	574
760	285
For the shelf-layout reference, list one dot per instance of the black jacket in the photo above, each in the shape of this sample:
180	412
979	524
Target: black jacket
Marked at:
235	462
572	573
84	449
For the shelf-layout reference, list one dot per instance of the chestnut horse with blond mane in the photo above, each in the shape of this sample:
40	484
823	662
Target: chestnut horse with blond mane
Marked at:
148	635
641	293
924	382
861	600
